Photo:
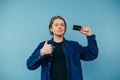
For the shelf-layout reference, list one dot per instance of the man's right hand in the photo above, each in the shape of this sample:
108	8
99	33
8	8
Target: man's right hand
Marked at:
46	49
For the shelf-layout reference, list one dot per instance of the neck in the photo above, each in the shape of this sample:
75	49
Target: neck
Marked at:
58	38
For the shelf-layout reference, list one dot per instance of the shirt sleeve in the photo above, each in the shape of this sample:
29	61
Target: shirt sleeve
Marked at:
35	60
90	52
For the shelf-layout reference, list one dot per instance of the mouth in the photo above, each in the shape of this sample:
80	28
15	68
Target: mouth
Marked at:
60	30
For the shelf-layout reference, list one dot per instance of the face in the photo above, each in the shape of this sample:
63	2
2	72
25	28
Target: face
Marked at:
58	27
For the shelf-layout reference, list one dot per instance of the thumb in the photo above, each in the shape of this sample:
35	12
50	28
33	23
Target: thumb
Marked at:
46	41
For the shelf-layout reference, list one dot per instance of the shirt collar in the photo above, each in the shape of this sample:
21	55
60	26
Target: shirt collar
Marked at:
52	42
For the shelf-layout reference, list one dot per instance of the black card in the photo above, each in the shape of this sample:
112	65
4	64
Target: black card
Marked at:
77	27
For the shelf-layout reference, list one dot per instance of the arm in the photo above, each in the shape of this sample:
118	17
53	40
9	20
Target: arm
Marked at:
91	51
40	55
35	60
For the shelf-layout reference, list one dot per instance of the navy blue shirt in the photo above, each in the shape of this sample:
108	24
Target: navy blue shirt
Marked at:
73	52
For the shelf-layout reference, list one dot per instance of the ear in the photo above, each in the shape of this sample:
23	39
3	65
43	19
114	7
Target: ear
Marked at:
51	30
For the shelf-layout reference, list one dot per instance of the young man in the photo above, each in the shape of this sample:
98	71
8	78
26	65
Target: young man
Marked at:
60	58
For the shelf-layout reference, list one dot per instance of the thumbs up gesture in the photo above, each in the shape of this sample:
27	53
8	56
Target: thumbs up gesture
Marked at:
46	49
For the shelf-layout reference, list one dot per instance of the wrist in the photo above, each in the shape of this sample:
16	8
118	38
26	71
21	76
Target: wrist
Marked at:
89	34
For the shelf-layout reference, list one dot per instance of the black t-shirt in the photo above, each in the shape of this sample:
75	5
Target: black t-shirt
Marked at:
58	69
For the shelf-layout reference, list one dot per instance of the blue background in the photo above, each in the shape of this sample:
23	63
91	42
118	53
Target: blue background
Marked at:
24	24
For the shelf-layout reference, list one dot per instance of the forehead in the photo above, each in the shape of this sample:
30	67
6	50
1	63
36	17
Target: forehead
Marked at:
58	21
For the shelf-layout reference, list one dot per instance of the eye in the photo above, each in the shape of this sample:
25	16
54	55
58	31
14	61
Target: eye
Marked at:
55	24
62	24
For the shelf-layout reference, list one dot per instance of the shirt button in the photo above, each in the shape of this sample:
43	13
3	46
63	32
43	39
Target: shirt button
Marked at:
51	55
49	63
39	57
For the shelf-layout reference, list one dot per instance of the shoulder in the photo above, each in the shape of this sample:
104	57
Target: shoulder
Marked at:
41	44
70	42
73	45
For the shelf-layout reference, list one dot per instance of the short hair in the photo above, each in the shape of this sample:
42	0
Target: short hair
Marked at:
53	19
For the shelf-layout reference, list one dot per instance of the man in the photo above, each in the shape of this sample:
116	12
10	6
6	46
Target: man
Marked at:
60	58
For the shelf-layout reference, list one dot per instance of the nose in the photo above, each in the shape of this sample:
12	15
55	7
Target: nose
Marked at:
59	26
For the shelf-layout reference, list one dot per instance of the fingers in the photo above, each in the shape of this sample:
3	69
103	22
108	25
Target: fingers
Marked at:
46	41
86	31
49	51
47	48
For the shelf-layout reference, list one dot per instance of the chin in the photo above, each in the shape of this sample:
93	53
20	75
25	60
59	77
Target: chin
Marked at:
59	35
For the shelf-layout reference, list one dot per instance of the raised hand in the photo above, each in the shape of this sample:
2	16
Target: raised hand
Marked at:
86	31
